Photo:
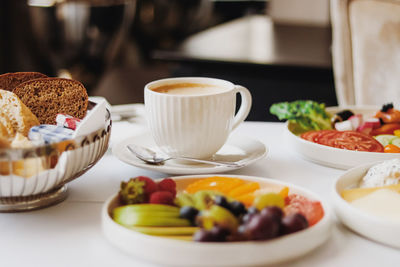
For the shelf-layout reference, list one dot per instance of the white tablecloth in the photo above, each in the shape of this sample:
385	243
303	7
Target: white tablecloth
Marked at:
69	234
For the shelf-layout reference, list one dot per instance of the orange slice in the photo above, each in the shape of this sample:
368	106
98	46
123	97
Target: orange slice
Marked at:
284	192
227	187
246	199
216	183
244	189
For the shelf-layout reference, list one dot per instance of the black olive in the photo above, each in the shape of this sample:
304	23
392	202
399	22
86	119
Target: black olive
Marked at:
386	107
335	118
341	116
345	114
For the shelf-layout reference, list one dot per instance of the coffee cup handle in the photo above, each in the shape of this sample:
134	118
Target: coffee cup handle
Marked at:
245	106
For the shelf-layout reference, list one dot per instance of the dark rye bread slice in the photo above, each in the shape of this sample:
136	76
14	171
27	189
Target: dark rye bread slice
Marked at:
50	96
9	81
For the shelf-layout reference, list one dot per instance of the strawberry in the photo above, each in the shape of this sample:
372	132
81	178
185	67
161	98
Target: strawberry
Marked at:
162	197
149	185
167	184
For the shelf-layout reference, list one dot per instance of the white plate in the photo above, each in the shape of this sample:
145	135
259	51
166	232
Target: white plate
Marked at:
335	157
238	148
373	227
183	253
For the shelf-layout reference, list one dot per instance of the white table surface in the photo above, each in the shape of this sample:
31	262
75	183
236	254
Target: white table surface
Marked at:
69	234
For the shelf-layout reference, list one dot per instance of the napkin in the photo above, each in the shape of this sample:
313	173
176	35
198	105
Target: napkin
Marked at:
94	119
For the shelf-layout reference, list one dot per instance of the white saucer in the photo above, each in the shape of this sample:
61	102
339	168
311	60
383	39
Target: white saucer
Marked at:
238	148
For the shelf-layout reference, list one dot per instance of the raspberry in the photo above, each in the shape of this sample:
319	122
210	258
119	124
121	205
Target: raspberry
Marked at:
149	185
162	197
167	184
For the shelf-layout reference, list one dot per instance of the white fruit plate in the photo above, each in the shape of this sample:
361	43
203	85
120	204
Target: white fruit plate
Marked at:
368	225
335	157
187	253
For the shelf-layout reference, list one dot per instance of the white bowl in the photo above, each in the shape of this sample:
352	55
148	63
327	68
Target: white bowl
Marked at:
336	157
183	253
370	226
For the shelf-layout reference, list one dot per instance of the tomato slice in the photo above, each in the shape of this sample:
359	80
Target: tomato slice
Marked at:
313	136
388	128
350	140
312	210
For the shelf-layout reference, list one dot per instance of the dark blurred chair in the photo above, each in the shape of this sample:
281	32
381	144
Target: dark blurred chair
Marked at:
163	24
79	39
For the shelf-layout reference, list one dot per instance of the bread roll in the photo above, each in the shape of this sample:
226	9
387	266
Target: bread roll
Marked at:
14	115
9	81
48	97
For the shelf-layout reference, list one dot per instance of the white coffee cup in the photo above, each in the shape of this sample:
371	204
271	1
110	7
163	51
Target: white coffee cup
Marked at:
193	116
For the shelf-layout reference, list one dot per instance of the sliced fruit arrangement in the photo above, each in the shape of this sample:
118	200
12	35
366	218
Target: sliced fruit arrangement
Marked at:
210	209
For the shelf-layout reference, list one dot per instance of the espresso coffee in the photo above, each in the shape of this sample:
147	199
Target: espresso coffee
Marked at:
189	89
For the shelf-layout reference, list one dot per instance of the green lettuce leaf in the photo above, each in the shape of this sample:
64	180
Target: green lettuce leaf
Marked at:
308	115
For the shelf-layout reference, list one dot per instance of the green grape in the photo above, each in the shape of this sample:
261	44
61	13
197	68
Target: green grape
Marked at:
218	216
270	199
204	199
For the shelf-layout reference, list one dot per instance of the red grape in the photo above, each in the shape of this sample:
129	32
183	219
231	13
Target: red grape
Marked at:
262	227
293	223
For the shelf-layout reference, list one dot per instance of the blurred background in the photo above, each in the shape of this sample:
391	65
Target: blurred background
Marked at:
278	49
